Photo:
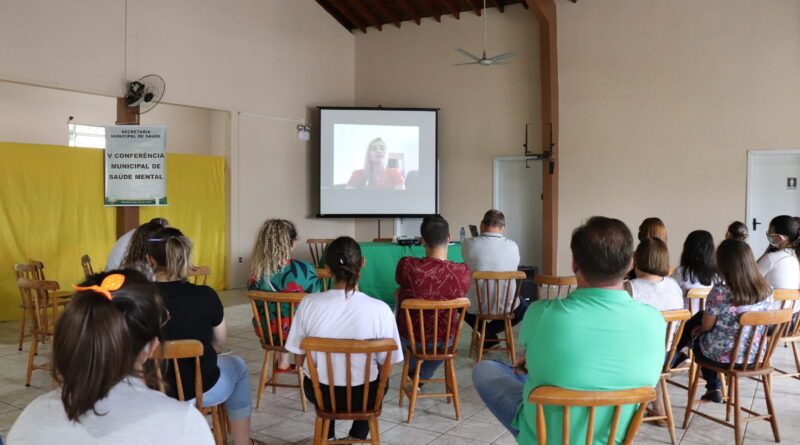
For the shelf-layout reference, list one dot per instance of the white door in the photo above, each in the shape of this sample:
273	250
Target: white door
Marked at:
518	194
772	190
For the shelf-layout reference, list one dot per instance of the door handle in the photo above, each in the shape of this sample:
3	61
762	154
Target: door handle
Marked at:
755	223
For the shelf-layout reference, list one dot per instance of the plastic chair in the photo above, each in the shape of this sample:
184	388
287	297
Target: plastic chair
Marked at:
350	408
273	344
495	302
448	314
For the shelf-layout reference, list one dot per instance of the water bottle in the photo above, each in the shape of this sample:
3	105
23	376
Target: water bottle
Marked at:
463	234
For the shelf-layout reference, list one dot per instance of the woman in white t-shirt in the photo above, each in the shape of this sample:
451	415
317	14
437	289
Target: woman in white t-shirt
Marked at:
100	349
698	265
342	312
779	264
652	284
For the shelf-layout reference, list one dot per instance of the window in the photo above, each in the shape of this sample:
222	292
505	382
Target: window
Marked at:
87	136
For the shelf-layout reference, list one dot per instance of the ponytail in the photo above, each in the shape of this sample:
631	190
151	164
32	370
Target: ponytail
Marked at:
172	252
343	257
788	226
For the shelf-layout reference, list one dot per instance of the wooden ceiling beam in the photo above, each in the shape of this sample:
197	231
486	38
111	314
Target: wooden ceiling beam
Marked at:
388	13
433	10
500	5
410	10
452	7
349	14
367	14
336	14
475	7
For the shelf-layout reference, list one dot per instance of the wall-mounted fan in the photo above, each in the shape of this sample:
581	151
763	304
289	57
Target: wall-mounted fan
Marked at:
485	61
145	92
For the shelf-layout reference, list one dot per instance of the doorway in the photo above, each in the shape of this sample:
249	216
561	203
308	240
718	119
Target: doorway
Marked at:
772	190
517	192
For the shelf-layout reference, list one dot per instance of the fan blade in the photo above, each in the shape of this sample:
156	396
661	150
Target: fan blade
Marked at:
468	54
504	56
467	63
500	63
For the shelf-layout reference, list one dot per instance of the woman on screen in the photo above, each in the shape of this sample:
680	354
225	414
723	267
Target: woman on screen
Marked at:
375	175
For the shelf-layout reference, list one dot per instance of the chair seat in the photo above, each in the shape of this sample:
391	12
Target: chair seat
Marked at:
509	316
363	415
420	356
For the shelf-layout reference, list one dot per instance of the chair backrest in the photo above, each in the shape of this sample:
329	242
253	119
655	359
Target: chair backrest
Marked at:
676	321
86	263
352	350
198	272
698	294
174	350
494	291
551	287
39	269
26	271
555	396
751	337
36	299
317	247
276	298
790	299
325	277
448	314
382	240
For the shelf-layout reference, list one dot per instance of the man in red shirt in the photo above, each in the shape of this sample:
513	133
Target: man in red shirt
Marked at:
430	278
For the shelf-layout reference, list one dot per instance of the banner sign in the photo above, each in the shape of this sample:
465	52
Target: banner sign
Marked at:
136	165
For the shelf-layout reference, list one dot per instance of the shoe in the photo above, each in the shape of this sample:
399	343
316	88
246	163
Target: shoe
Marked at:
292	368
713	395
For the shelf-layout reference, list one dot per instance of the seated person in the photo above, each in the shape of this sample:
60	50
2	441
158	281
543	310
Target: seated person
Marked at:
492	252
430	278
136	254
737	230
740	288
104	377
120	248
581	342
274	270
375	175
698	267
343	312
652	285
196	313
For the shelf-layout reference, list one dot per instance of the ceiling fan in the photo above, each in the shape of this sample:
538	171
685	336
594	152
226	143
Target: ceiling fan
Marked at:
485	61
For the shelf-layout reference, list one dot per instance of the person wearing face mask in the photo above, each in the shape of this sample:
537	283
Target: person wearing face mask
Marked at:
779	264
375	175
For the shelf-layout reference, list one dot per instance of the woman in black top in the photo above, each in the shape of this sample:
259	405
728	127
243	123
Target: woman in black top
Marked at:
196	313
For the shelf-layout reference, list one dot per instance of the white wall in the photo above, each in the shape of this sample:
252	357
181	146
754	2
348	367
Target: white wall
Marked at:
271	57
660	100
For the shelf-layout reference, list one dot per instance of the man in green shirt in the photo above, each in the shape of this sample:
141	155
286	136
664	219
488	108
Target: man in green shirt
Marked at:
596	339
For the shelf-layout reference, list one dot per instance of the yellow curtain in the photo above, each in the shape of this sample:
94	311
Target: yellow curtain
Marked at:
51	209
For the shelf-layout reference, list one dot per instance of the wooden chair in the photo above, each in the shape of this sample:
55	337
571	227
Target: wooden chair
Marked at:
273	346
494	306
333	409
32	272
39	275
317	248
36	298
550	287
172	352
790	299
198	272
452	313
699	295
694	295
86	263
759	370
382	240
325	278
566	398
675	320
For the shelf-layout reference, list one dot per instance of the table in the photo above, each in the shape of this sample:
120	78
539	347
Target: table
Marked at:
377	277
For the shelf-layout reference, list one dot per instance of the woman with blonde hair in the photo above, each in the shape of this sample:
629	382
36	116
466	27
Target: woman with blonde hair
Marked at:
274	270
196	313
376	175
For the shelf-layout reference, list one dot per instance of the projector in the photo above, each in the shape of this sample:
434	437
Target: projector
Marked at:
408	241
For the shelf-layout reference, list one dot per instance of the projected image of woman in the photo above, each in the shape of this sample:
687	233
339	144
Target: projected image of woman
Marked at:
375	175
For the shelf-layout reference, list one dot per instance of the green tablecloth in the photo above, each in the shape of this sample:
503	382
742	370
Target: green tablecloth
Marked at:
377	278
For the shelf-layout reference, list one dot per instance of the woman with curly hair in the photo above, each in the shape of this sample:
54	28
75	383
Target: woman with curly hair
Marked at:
273	270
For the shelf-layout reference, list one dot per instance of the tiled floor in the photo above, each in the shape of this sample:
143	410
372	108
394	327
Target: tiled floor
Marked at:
280	419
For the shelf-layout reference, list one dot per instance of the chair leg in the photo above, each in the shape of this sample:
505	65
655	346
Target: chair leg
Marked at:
31	352
374	432
300	388
22	327
773	420
324	433
482	341
453	383
273	378
668	410
724	382
412	398
474	343
404	377
510	342
690	399
447	388
317	431
263	380
737	412
729	402
796	357
217	426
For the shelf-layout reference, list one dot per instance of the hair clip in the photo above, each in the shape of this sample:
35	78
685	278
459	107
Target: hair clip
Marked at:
155	240
342	260
110	283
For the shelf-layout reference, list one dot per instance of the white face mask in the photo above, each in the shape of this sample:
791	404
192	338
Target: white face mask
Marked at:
774	239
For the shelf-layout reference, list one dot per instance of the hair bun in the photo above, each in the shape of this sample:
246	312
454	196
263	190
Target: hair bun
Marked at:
342	260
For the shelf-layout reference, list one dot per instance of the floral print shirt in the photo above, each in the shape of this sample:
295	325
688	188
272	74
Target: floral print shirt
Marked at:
718	343
296	276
